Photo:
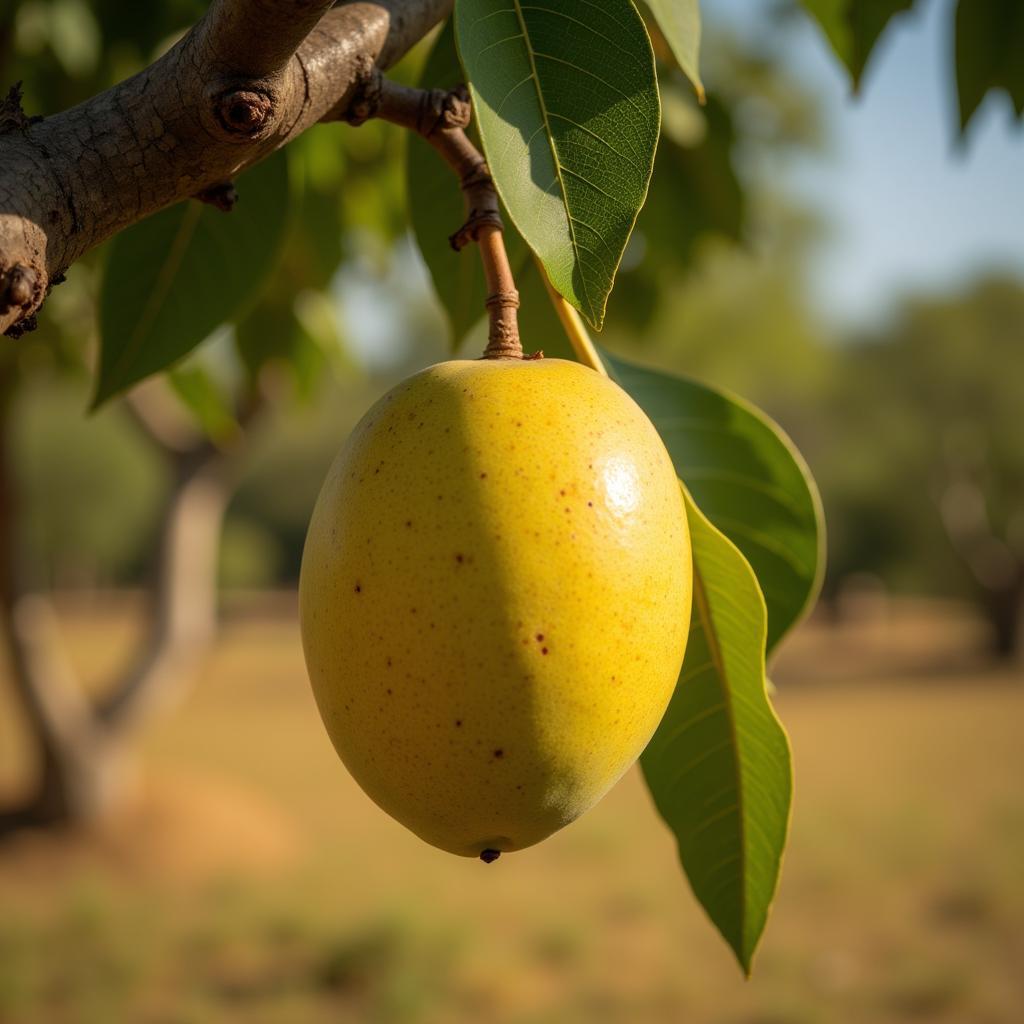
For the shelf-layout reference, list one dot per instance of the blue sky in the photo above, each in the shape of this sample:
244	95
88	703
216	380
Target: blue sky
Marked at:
910	208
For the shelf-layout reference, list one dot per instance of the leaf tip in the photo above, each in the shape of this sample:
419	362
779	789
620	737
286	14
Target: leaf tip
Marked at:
101	396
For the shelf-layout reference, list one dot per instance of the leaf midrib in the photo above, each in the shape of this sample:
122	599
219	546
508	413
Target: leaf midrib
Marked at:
554	150
715	651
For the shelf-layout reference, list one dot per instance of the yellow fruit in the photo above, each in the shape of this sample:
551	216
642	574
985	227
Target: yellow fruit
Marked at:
495	598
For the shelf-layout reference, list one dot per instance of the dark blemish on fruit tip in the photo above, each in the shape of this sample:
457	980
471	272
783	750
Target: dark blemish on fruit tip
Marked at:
489	856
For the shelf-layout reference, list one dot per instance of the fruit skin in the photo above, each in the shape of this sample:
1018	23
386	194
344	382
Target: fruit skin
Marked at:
495	598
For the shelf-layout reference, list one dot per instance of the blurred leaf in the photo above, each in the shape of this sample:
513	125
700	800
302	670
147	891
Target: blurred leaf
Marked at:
316	245
694	192
127	22
274	334
640	294
566	102
200	394
854	26
173	278
719	765
679	20
989	53
74	36
747	478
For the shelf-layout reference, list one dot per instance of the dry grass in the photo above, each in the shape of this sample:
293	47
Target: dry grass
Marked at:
250	880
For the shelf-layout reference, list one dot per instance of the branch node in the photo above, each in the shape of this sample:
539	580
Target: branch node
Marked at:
246	114
443	110
17	287
503	337
470	230
369	86
223	195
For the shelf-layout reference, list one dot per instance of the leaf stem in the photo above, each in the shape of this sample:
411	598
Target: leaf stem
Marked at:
575	329
441	119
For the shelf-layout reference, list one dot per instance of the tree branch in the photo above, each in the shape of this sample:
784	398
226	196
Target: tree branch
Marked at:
441	118
248	78
257	38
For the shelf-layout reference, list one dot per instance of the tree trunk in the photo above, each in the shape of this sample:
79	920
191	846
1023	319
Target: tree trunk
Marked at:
1004	609
82	747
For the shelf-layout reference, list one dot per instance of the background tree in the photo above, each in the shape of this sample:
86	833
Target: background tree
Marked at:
926	480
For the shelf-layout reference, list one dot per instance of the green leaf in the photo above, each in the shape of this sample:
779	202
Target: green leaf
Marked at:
747	477
273	334
854	26
173	278
989	53
719	766
679	20
566	102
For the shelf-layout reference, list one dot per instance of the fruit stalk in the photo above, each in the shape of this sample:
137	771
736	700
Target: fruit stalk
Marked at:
572	324
441	118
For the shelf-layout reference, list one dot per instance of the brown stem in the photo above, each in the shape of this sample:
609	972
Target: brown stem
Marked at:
441	118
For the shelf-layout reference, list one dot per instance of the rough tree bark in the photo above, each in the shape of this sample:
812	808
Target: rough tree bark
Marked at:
248	78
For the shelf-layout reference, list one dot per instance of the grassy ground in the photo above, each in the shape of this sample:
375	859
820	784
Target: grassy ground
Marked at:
248	878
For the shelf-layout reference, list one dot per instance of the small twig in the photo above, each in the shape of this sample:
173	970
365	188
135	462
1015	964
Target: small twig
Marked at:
441	119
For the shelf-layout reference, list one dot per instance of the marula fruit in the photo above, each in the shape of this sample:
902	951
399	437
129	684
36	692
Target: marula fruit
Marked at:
495	598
